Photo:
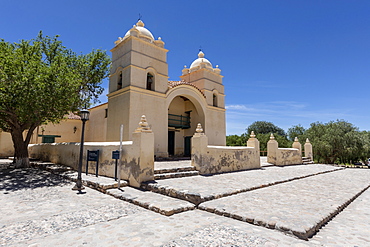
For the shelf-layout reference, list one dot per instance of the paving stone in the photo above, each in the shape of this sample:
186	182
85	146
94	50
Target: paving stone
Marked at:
191	228
101	183
350	226
298	207
38	208
199	189
35	203
175	175
156	202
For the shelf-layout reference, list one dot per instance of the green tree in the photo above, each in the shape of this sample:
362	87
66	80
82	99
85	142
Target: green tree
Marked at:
338	142
235	140
263	127
40	82
297	131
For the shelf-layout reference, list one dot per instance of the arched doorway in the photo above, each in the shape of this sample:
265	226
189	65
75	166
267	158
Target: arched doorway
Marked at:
184	113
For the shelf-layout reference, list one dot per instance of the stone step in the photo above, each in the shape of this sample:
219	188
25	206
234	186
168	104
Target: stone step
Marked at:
306	161
100	183
156	202
174	169
198	189
175	175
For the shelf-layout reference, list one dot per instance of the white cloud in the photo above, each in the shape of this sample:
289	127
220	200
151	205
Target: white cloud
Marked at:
282	113
236	107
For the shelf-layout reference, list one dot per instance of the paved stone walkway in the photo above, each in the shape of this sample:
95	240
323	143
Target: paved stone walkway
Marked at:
40	209
298	207
199	189
35	203
153	201
350	227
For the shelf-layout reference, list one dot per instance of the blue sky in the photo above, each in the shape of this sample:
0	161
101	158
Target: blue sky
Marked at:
287	62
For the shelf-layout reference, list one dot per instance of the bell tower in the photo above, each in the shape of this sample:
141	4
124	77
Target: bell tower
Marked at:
208	79
138	81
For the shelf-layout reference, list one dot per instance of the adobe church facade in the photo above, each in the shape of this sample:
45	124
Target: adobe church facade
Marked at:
138	85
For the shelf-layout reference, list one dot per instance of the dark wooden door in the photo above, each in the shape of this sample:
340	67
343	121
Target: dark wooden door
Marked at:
171	142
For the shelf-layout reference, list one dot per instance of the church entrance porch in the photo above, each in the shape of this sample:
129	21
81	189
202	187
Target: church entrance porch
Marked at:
182	120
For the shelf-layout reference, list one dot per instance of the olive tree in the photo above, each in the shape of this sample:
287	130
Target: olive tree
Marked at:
40	82
338	142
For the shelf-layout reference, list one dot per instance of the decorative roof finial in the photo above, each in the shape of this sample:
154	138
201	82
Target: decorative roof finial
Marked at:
200	54
143	125
252	135
296	139
307	141
139	17
272	137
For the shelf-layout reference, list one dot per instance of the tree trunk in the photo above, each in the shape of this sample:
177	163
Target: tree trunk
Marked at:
21	149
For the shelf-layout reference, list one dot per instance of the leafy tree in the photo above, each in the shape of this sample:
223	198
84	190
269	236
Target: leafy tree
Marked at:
235	140
263	127
262	131
297	131
40	82
338	142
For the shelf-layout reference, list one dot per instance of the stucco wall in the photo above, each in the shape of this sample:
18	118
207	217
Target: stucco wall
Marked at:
137	156
288	156
69	130
96	127
283	156
217	159
6	144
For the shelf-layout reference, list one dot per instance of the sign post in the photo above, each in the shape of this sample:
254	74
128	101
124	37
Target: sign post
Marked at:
92	156
115	156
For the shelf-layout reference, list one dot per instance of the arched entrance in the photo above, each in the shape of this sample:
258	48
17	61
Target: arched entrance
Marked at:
185	111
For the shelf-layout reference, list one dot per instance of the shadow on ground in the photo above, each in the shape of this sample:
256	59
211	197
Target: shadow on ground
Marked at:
28	178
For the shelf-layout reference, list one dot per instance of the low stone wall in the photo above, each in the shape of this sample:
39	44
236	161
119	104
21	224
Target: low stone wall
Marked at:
137	155
288	156
217	159
283	156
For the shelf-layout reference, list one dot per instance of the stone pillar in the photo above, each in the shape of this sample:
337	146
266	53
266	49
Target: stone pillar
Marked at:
140	167
254	143
272	149
297	145
199	144
308	149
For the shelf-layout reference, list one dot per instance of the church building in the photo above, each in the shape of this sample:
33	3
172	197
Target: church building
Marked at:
138	85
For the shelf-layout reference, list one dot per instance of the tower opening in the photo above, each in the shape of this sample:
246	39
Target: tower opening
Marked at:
150	82
119	82
215	99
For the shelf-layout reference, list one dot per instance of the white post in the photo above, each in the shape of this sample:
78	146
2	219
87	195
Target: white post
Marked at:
120	157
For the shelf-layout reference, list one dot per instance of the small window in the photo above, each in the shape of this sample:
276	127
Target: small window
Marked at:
214	100
48	138
106	113
150	82
119	83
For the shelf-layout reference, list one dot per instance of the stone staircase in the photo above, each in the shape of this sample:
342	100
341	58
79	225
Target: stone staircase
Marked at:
175	172
307	160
